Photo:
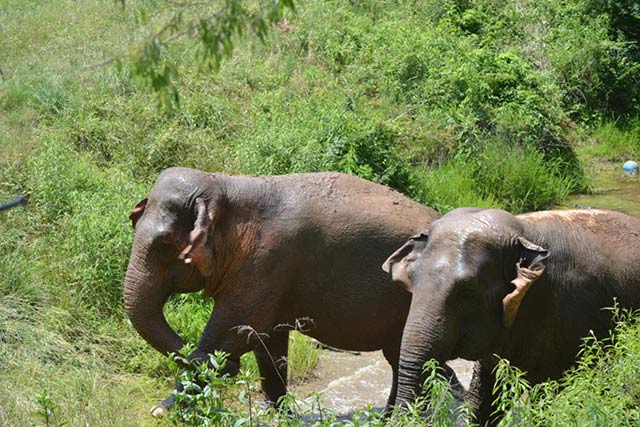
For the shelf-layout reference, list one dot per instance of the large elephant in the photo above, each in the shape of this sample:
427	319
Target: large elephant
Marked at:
271	250
525	287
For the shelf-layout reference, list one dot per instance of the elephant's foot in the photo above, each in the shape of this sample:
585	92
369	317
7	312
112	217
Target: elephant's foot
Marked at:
158	411
162	408
387	412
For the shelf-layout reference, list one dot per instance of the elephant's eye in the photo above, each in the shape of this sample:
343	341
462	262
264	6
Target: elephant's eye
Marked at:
165	237
165	249
468	299
467	295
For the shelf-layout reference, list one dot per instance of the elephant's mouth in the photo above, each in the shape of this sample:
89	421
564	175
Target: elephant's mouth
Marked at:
471	349
465	349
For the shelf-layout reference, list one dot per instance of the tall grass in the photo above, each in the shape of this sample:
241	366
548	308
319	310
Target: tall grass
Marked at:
516	180
615	141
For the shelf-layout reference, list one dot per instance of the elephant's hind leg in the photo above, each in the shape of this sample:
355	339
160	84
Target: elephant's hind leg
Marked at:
271	355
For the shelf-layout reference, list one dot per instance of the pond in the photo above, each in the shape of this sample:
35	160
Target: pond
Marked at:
611	190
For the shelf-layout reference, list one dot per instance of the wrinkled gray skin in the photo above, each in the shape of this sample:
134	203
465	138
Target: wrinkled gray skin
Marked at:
271	250
526	288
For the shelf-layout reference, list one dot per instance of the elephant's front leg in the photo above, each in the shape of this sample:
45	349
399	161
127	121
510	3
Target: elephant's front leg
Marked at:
271	355
480	393
222	332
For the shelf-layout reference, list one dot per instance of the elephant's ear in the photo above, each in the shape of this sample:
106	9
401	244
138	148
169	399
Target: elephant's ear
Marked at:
137	212
532	256
529	268
399	263
199	250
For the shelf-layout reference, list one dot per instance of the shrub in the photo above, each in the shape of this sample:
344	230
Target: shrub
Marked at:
614	141
518	180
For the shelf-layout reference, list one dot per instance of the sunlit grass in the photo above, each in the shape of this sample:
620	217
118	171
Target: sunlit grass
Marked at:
613	141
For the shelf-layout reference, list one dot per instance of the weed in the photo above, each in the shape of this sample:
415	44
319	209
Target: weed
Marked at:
615	141
200	399
46	410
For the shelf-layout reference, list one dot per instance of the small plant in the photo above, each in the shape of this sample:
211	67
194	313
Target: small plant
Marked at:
246	380
513	393
437	406
200	398
46	411
438	395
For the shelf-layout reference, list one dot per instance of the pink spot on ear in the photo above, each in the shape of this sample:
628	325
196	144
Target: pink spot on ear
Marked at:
137	212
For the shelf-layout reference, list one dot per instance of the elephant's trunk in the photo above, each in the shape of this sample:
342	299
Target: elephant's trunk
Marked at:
144	296
424	338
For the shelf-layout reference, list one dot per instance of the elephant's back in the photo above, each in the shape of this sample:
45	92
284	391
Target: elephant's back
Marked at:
595	253
590	232
343	230
350	202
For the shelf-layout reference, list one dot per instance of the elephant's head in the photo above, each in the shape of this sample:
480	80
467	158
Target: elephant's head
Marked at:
468	275
172	250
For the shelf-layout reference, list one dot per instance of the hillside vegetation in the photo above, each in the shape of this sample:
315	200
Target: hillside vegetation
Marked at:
453	103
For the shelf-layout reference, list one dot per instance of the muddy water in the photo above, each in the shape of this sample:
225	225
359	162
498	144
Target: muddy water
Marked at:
352	381
611	190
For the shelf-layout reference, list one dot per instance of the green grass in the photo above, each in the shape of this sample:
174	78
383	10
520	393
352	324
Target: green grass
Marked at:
613	141
600	390
450	102
516	180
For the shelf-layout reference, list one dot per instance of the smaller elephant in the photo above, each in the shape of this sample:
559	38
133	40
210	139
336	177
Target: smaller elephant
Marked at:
527	288
271	250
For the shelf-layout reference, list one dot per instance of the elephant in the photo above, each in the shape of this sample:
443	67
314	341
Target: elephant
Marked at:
271	250
526	288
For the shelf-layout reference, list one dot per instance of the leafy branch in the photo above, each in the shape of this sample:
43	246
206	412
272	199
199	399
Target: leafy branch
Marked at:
214	33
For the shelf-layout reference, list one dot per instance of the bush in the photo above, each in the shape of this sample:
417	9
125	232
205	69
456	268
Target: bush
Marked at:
614	141
596	392
517	180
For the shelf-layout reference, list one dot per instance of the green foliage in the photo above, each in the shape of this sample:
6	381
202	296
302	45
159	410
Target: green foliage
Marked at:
302	359
614	141
459	191
213	27
188	314
437	396
206	398
373	156
436	406
199	398
47	411
517	180
85	207
622	81
335	139
514	392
